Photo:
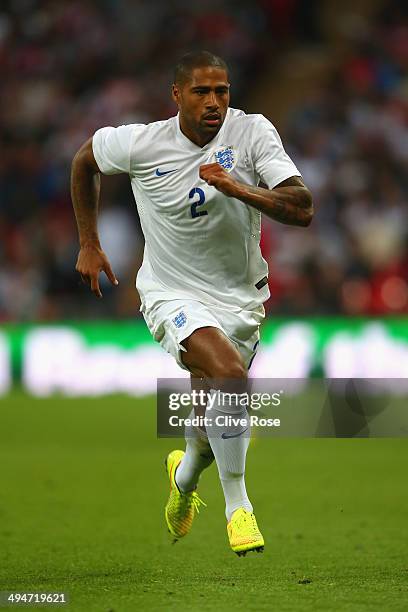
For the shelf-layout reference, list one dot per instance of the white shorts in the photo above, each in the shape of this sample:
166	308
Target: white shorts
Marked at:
171	322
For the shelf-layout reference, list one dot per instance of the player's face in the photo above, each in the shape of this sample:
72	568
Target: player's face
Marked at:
203	103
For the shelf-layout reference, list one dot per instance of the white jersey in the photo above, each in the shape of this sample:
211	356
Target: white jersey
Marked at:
199	243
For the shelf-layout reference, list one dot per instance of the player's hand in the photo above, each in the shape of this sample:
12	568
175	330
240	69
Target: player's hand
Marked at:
215	175
91	262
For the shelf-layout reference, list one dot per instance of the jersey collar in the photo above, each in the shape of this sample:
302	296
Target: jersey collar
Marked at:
190	145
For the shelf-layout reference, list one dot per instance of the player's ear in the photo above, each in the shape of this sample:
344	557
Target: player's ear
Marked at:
175	93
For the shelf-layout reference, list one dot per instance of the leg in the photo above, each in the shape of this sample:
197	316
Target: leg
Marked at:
211	353
198	454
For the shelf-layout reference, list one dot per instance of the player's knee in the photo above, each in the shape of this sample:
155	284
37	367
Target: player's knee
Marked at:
233	370
229	377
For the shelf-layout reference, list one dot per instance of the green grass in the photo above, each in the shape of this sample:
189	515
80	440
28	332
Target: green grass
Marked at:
82	492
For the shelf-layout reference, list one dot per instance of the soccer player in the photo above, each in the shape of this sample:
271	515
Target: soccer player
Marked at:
195	178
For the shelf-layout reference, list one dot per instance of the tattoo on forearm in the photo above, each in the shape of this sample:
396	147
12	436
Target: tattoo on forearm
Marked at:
286	204
288	213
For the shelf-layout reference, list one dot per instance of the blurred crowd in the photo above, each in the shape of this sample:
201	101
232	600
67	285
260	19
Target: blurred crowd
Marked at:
70	67
350	141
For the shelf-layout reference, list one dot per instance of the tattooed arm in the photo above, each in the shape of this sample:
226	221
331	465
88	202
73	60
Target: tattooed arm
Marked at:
289	202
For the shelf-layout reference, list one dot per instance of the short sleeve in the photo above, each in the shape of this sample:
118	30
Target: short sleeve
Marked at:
271	162
112	149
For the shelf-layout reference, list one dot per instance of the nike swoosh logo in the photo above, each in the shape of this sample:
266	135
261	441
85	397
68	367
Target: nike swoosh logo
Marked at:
226	436
158	173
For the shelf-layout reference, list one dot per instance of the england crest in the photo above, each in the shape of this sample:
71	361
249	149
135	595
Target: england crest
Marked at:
180	319
226	157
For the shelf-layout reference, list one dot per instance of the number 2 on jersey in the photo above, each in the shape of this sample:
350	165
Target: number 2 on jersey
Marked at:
201	195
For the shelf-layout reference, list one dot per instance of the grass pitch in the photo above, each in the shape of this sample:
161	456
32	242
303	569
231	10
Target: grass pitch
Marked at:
82	493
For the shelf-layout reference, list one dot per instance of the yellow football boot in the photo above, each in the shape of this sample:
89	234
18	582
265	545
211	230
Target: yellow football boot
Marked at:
181	507
243	533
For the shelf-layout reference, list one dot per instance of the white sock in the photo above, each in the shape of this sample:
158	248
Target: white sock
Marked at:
230	451
198	456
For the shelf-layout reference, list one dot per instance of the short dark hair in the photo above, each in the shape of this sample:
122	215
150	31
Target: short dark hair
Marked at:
196	59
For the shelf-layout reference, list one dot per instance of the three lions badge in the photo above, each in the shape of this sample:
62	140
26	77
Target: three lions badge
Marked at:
226	156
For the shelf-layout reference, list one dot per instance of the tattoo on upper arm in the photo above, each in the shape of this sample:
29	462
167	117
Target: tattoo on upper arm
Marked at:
293	181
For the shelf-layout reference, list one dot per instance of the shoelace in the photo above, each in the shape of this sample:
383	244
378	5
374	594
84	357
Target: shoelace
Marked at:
194	500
